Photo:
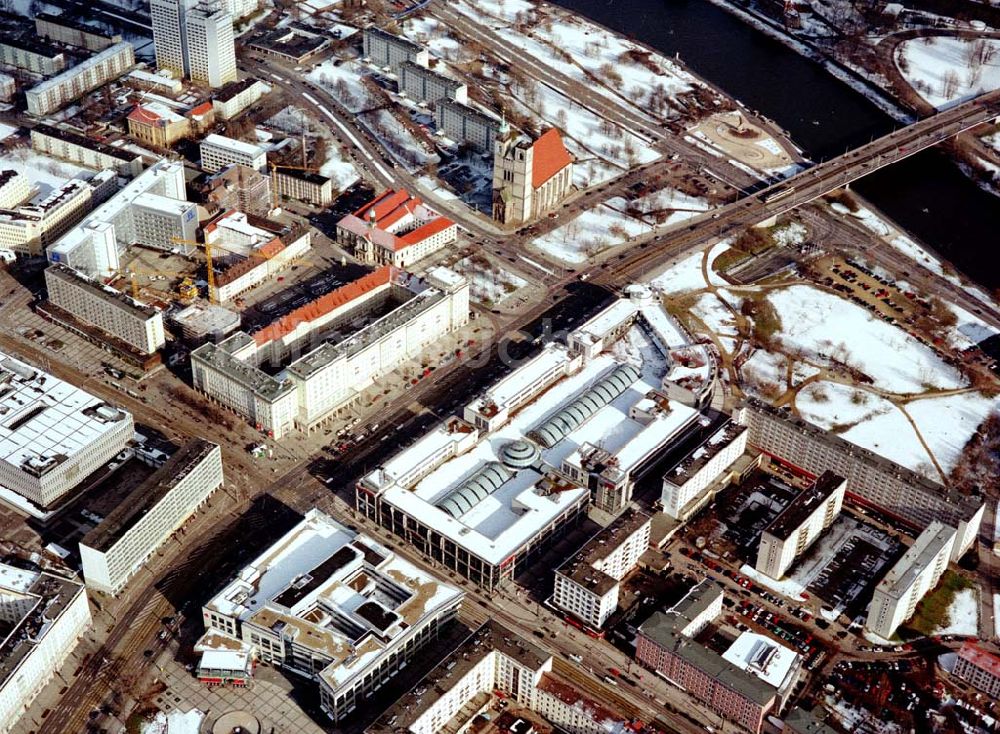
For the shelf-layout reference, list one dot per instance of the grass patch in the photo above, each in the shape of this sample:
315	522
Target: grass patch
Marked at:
844	198
766	321
932	611
729	260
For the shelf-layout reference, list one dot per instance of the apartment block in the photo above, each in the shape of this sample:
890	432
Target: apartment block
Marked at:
587	585
798	526
122	543
235	97
15	189
8	87
218	151
238	188
906	583
466	125
872	480
335	607
292	183
38	58
112	312
428	86
687	484
72	146
261	264
62	30
55	93
29	228
389	52
44	617
979	668
211	51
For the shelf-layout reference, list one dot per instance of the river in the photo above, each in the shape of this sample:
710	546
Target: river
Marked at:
926	194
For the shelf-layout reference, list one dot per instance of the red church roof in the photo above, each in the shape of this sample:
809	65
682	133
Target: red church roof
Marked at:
550	157
323	305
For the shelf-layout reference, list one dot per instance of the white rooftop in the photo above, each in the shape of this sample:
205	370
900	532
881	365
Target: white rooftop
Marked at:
503	393
43	419
762	657
16	579
238	146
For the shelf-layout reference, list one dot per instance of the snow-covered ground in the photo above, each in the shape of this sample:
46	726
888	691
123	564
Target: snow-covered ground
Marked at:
173	723
946	71
43	172
668	200
835	330
830	404
963	615
343	82
594	231
6	131
397	138
488	284
947	423
338	167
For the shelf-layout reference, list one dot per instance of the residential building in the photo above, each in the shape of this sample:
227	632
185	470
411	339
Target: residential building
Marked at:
93	245
377	322
105	66
54	435
587	585
106	309
262	263
389	52
44	617
872	480
218	151
126	539
396	229
170	35
916	573
495	667
72	146
466	125
238	187
155	124
665	643
15	189
799	524
211	49
8	87
428	86
294	183
335	607
530	177
160	82
688	485
235	97
62	30
979	668
37	58
28	229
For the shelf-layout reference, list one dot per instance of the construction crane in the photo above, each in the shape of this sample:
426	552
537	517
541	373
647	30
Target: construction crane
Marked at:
274	185
210	268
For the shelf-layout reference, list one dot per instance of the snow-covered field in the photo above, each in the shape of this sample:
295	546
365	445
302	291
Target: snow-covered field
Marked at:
963	615
343	82
43	172
6	131
947	423
488	284
834	330
338	168
594	231
830	404
945	71
397	138
173	723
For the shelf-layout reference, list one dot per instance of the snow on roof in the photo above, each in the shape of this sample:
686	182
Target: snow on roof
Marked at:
762	657
16	579
224	660
506	392
611	317
238	146
44	420
151	113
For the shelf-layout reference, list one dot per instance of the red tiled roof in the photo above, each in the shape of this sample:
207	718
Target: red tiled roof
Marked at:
202	109
980	658
258	257
421	233
550	157
323	305
386	202
141	114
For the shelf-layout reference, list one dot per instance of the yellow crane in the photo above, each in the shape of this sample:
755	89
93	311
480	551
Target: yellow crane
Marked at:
210	268
274	185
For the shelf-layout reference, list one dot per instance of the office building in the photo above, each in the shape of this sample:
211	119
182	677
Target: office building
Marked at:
235	97
15	189
690	483
238	188
44	617
799	524
493	668
917	572
335	607
75	147
979	668
665	643
29	228
587	585
62	30
156	125
294	183
37	58
194	40
530	177
105	66
121	544
54	434
396	229
106	309
263	261
218	151
466	125
375	323
154	199
389	52
428	86
872	480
